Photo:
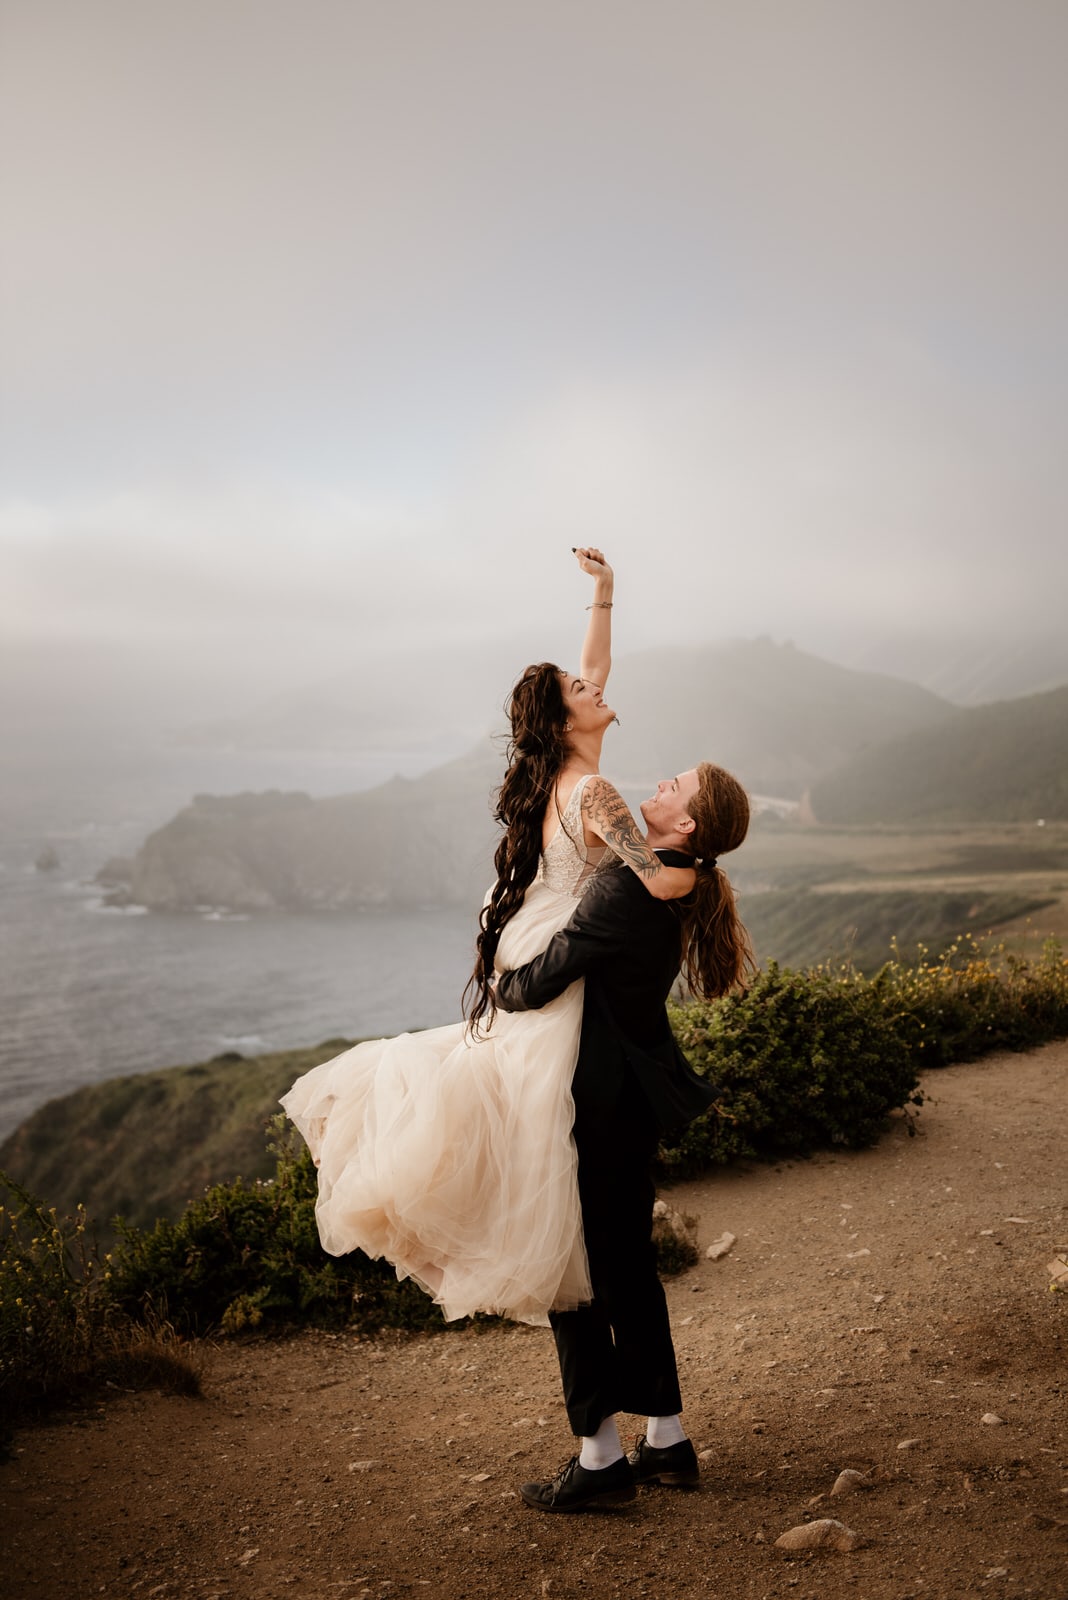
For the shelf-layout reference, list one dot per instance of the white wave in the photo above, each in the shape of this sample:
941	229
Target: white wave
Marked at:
99	906
247	1043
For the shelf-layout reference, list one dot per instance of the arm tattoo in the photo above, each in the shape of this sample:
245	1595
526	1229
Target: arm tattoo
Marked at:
609	816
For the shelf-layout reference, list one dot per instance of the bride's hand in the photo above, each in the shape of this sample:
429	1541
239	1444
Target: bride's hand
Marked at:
592	560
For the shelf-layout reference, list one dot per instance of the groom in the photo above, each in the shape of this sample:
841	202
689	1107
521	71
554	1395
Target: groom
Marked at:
631	1087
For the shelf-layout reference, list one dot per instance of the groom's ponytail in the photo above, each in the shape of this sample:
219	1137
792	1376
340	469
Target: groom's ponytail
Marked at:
717	955
536	753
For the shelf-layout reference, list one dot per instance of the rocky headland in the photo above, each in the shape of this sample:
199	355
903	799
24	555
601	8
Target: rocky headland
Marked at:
406	844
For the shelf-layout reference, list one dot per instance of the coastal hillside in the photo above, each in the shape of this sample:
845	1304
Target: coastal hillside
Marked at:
806	925
1006	762
776	716
143	1146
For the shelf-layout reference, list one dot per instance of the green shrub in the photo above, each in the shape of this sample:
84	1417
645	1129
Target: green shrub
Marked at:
970	1001
62	1331
800	1061
245	1255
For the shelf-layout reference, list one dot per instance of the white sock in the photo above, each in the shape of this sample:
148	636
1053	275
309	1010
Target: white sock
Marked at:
600	1449
664	1431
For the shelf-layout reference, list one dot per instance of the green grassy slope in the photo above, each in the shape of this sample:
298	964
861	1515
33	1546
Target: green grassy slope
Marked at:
801	927
143	1146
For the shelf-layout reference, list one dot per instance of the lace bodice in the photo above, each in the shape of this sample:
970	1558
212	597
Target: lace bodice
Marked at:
566	864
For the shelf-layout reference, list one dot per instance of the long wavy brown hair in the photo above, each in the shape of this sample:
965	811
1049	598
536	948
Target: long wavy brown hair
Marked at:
537	750
717	955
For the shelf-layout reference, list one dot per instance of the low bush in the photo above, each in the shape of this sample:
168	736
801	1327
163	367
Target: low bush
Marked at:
800	1061
808	1059
62	1331
246	1255
970	1000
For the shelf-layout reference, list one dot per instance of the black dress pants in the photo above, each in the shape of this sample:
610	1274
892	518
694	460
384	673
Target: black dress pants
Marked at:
616	1353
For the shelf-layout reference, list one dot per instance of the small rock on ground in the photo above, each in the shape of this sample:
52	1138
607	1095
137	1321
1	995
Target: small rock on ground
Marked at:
721	1247
826	1533
849	1479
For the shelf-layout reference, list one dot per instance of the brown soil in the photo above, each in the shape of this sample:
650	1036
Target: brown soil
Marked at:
870	1299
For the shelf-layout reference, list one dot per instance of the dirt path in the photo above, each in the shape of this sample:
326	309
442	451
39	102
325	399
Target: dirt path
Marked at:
870	1299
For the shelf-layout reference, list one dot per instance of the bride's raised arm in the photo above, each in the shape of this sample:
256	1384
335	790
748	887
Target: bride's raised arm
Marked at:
605	813
595	662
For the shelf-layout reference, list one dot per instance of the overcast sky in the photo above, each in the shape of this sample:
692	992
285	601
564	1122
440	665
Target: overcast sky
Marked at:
329	322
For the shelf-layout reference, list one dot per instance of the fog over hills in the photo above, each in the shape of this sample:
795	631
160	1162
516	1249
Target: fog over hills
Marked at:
1005	762
411	709
458	692
776	716
997	664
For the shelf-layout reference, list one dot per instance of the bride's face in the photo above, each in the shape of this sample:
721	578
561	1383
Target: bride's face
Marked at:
586	710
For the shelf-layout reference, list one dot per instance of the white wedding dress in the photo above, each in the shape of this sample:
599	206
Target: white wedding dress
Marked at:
453	1157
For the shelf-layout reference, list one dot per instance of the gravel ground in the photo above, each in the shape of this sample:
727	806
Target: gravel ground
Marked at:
874	1309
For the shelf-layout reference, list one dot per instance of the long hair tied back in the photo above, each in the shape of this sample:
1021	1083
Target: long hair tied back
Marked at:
536	753
717	954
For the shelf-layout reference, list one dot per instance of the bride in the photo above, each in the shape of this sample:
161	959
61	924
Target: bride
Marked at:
450	1151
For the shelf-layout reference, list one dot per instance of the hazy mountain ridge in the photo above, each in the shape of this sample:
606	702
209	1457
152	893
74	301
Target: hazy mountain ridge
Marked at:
776	716
1004	762
970	671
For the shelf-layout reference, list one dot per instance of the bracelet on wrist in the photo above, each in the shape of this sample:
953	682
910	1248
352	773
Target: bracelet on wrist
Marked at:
600	605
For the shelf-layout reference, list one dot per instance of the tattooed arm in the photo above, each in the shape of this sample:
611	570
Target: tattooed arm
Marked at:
606	814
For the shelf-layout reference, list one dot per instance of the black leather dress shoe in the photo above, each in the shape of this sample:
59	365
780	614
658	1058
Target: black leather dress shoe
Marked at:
676	1465
578	1488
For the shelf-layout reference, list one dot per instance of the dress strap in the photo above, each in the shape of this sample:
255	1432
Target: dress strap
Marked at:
575	797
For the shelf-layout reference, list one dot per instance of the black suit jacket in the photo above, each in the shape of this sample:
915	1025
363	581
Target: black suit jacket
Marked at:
627	946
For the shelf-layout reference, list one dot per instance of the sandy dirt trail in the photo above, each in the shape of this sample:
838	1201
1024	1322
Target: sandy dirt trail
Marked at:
896	1295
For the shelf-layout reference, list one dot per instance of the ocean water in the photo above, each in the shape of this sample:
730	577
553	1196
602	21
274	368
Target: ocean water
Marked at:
88	993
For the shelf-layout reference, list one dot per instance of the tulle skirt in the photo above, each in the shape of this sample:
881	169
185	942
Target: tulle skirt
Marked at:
453	1157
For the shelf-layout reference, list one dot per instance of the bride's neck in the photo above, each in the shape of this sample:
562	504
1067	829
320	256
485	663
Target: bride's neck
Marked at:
584	754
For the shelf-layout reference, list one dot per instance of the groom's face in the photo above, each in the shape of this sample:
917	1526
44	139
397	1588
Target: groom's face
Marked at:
667	813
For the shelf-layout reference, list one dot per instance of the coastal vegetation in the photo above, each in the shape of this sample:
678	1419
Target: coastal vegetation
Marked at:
810	924
63	1330
803	1061
144	1146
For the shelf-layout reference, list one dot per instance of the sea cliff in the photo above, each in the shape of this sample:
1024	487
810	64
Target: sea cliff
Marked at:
407	844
